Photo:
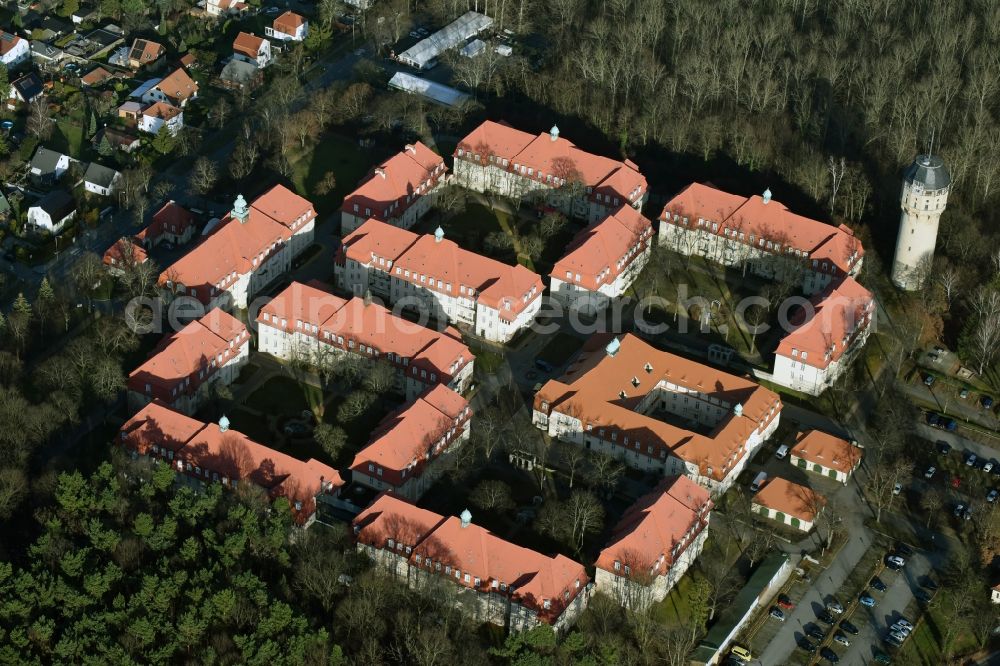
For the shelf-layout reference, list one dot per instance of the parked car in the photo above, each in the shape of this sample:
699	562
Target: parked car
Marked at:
807	645
867	600
848	627
951	425
877	584
963	394
903	549
897	488
898	635
923	595
970	460
741	652
777	614
825	617
986	401
781	452
992	496
881	657
893	641
959	510
988	466
929	583
813	631
834	607
543	365
967	514
895	562
829	655
903	622
933	420
785	602
898	628
929	474
956	481
943	447
842	639
928	380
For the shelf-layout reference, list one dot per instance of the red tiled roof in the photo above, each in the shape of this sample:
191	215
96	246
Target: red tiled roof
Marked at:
508	289
415	434
592	386
770	221
178	86
791	499
405	175
371	325
161	110
815	446
7	41
247	44
838	314
145	51
124	250
559	158
188	59
650	529
230	455
171	218
288	23
185	360
604	250
530	577
95	76
233	246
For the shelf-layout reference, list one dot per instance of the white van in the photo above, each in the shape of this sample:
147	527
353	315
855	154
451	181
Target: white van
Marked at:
781	452
758	482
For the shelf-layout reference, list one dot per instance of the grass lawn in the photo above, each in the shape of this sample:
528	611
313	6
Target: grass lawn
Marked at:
924	645
67	138
253	426
676	608
280	396
468	228
560	348
341	155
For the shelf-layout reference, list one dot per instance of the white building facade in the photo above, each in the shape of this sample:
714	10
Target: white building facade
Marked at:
926	185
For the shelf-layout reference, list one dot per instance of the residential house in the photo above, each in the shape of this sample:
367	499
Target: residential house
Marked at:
45	55
306	323
656	541
176	88
204	453
602	261
251	247
827	336
759	235
788	503
498	158
188	60
995	594
399	191
47	167
52	212
172	223
123	255
622	397
95	77
130	112
825	454
159	115
185	365
494	580
13	49
288	27
252	49
100	179
435	276
26	89
118	139
226	8
239	74
144	52
404	451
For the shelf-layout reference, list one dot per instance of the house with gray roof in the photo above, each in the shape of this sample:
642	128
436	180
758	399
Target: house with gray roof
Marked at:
48	166
52	212
100	179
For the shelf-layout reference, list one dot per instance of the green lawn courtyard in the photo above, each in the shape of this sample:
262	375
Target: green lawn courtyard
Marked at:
336	154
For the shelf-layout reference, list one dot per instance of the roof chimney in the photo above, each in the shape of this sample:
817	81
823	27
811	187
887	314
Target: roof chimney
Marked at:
466	517
240	209
554	132
223	424
613	347
380	171
738	409
438	235
410	148
767	195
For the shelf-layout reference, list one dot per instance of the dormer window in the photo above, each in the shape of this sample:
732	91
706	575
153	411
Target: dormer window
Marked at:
648	368
635	382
